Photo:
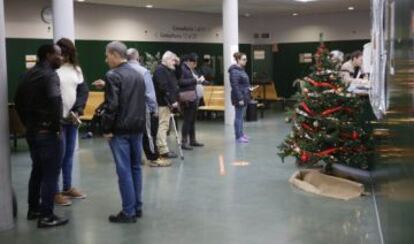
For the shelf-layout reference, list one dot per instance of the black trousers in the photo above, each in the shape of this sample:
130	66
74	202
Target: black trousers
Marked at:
150	138
46	151
189	110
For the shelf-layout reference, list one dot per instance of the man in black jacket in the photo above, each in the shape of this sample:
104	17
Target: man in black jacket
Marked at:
123	122
39	105
166	89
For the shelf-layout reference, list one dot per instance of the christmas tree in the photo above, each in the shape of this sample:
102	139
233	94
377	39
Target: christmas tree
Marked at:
327	120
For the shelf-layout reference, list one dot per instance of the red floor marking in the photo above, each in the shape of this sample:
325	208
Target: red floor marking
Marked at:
222	168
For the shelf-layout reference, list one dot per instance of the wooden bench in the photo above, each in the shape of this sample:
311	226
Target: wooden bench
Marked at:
94	100
267	92
213	99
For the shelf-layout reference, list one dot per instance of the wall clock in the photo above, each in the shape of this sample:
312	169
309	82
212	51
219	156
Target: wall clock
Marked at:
47	15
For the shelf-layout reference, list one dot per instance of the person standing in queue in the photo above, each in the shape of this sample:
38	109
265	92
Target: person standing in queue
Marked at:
166	90
39	105
240	94
74	96
189	100
123	122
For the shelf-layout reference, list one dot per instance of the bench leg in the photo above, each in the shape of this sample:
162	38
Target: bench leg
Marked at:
15	141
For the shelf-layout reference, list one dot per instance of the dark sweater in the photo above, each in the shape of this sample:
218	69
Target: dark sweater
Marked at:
187	82
165	85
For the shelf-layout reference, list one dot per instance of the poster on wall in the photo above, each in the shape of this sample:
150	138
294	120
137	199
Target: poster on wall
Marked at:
30	61
259	55
305	58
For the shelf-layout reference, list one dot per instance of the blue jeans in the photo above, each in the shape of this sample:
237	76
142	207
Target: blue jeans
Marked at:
46	152
126	150
238	121
69	135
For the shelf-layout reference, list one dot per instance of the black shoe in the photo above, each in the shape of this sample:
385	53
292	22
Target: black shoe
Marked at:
169	155
122	218
138	213
186	146
196	144
32	215
51	221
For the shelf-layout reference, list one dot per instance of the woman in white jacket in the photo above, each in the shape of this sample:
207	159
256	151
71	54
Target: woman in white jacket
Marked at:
74	96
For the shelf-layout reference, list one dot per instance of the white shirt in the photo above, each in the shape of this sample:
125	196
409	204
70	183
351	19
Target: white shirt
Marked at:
356	85
70	78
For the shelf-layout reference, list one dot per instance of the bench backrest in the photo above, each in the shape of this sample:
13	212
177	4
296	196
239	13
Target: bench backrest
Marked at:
214	96
94	100
271	93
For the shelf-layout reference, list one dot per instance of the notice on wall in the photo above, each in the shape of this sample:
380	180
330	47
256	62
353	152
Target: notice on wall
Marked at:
30	61
183	32
305	58
259	55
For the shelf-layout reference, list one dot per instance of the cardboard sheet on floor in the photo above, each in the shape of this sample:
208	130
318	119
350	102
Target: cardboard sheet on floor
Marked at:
315	182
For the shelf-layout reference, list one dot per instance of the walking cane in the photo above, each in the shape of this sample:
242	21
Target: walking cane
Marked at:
174	125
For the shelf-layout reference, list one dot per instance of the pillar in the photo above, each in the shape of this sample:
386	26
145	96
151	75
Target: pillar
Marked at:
230	46
6	206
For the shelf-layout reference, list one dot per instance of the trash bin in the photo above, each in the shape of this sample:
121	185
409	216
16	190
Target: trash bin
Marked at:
251	113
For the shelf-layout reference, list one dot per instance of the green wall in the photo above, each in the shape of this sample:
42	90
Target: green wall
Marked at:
283	66
92	55
286	66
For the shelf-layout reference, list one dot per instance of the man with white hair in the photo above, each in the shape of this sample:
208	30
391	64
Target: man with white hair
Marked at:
151	128
123	122
166	88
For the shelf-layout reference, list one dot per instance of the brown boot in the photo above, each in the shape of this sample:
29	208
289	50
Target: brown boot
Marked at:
74	193
61	200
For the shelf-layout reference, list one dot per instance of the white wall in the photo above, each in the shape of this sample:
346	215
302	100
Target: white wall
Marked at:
102	22
338	26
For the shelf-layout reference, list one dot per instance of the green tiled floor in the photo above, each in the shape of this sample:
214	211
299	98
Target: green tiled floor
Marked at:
192	203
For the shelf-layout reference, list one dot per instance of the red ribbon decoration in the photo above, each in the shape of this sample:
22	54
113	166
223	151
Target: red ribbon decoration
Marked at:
321	84
331	111
307	109
327	152
306	126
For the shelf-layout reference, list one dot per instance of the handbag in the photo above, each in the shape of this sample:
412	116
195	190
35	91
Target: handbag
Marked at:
188	96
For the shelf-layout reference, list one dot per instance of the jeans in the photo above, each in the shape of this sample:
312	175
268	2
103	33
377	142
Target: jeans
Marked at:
126	150
69	135
189	118
164	125
239	120
150	137
46	151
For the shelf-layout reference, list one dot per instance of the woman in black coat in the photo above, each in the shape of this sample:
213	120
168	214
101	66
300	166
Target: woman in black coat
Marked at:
188	100
240	94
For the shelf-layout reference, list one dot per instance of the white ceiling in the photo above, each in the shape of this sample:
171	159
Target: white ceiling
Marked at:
255	7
